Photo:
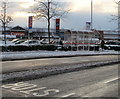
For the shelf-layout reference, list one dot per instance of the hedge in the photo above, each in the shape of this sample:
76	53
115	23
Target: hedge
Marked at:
42	47
28	48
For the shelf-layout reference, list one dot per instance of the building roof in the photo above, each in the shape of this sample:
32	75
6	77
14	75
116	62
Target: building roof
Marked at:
17	28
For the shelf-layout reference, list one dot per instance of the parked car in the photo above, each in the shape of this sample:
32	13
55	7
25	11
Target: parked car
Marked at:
43	41
30	43
19	42
112	45
14	40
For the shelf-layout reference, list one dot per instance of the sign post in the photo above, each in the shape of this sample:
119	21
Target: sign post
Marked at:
57	25
30	22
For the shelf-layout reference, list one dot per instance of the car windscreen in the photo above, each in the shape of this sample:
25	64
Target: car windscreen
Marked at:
19	42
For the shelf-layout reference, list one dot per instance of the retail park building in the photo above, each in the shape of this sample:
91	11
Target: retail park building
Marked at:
64	34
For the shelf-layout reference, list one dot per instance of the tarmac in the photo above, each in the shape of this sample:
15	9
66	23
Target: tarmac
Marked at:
41	70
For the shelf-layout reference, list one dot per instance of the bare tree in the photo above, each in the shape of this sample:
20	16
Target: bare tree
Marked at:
48	9
117	16
4	18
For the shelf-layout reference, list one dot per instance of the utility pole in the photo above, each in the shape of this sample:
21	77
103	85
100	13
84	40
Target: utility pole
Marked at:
118	17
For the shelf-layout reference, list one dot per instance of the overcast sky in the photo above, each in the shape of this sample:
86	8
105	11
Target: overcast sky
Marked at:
75	20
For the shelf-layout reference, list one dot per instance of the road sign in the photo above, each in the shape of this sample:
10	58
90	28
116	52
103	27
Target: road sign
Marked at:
57	25
30	21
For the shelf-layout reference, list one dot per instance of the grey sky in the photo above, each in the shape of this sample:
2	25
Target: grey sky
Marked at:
75	20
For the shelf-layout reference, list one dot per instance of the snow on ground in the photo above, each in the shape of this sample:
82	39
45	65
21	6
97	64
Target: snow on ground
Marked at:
38	54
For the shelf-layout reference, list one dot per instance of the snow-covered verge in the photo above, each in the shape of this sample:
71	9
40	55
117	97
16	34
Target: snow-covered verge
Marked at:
39	54
45	71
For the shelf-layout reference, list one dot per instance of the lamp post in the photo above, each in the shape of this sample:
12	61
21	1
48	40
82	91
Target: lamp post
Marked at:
119	17
91	14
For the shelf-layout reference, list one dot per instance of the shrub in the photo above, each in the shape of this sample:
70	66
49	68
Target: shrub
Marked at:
29	48
63	48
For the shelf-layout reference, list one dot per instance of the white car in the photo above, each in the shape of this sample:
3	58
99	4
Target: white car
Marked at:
19	42
14	40
30	43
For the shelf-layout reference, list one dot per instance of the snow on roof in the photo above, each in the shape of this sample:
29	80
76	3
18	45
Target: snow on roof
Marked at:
86	31
8	36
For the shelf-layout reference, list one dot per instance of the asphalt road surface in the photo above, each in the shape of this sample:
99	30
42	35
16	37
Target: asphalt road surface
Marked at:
95	82
11	66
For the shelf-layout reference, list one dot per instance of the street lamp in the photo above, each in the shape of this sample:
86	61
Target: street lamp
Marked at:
91	14
118	16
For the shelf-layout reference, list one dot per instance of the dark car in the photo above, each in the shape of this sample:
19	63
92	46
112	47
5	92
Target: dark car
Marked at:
112	45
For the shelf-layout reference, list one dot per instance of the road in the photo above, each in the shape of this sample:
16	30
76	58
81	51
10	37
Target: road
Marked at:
95	82
11	66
